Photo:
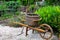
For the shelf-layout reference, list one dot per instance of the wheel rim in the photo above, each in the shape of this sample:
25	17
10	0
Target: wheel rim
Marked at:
48	32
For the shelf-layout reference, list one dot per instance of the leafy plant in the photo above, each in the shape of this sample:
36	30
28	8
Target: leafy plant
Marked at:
51	16
31	8
13	5
53	2
27	2
9	9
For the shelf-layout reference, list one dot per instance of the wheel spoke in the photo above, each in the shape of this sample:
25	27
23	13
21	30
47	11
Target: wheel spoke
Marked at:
44	35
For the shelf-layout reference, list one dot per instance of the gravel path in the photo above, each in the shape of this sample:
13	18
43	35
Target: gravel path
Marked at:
11	33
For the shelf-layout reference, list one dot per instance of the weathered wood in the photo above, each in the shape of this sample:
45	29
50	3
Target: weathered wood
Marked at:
24	25
37	20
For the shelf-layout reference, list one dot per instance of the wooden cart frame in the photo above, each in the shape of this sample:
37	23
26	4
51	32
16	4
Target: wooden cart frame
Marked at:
42	29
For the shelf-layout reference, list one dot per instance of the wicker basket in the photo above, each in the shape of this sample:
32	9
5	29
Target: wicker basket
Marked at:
30	19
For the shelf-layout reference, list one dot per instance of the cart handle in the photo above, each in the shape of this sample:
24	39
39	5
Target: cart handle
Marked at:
24	25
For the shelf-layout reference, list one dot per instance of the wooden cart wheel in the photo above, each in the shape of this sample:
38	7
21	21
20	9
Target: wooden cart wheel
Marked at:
49	32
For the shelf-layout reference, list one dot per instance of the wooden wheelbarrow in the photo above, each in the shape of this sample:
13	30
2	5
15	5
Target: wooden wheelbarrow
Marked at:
31	22
42	29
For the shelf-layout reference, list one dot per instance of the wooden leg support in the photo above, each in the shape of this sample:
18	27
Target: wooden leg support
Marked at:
26	31
32	31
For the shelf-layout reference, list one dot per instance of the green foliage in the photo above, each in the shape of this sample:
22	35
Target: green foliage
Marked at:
13	4
3	6
8	15
53	2
9	7
27	2
51	16
31	8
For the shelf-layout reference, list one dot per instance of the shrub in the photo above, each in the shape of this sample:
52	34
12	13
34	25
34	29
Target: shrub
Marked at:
31	8
53	2
12	5
27	2
51	16
9	7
